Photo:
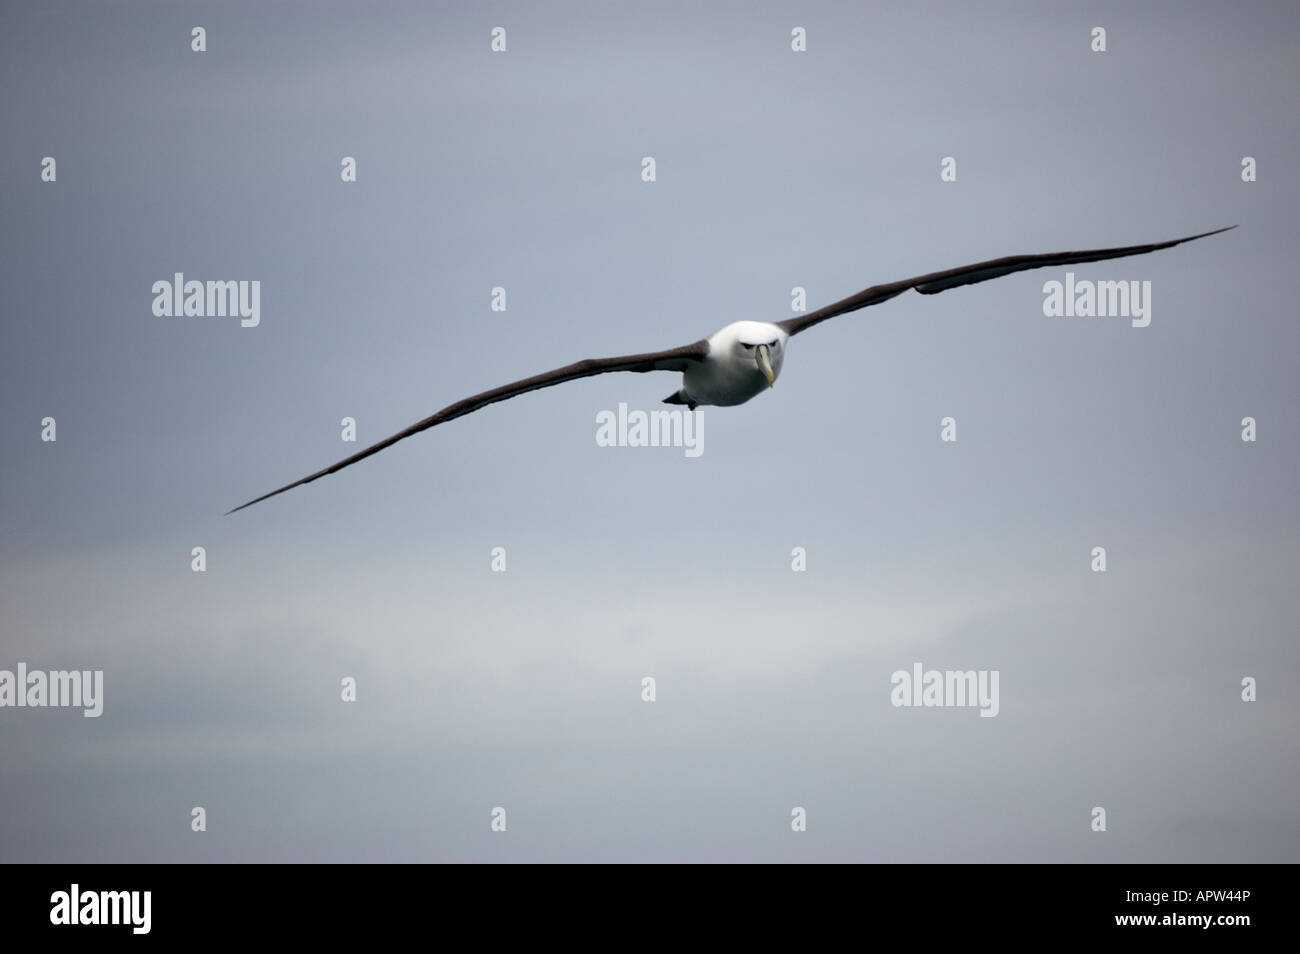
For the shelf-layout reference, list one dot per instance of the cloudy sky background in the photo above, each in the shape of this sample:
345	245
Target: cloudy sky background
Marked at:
522	689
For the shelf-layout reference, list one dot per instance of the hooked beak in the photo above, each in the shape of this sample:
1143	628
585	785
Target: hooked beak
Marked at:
765	365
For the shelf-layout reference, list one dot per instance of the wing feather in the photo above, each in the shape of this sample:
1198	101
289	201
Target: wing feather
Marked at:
674	359
936	282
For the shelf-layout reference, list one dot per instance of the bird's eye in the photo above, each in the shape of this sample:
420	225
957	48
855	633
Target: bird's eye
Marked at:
747	347
772	343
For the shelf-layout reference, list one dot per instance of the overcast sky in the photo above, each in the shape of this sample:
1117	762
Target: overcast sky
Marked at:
523	170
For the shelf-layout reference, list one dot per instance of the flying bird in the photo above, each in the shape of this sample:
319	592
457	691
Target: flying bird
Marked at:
743	359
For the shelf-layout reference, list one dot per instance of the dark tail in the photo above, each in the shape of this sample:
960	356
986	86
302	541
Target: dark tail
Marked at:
681	397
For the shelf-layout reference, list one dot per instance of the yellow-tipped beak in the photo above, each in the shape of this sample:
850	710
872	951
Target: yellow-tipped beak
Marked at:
765	365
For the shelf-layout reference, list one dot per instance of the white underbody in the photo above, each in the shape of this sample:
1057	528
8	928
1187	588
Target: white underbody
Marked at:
730	375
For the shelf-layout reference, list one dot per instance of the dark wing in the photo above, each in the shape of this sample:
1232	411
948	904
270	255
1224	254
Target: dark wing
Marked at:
675	359
936	282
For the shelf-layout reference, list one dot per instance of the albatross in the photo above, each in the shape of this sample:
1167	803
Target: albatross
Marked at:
743	359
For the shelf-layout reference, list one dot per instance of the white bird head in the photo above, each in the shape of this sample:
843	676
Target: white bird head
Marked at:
752	344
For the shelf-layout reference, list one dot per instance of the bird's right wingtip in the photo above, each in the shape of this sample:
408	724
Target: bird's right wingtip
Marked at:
247	504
